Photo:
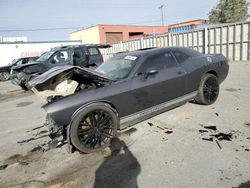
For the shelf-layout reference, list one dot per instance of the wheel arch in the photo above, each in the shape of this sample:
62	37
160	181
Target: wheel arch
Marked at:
213	72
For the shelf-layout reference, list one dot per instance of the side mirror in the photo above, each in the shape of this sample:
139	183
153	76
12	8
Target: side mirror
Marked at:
150	73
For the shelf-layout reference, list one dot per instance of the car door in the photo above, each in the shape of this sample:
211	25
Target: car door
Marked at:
158	80
95	57
59	58
80	58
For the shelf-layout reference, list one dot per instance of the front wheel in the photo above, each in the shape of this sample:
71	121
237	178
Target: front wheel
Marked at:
5	76
93	128
208	91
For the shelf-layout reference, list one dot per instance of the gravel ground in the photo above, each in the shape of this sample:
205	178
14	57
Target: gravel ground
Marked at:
167	150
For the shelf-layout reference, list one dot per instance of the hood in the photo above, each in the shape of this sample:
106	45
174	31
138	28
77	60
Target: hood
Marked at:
62	73
66	80
5	68
20	67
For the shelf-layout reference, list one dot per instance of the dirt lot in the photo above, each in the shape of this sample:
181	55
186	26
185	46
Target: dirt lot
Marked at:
168	150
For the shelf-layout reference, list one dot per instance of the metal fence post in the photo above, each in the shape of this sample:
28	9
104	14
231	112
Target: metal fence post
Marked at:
205	40
169	40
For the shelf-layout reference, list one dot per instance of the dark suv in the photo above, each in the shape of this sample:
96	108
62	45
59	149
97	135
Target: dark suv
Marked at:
80	55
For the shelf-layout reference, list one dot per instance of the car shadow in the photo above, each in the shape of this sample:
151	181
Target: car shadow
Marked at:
120	169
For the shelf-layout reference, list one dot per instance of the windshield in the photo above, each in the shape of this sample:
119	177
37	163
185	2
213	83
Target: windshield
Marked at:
45	56
118	67
13	62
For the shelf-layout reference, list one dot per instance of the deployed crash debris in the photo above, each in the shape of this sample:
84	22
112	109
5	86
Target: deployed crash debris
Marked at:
150	124
212	127
212	134
218	144
2	167
223	136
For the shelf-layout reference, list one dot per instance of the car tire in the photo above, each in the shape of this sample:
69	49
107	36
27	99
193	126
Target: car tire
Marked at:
93	128
5	76
208	90
24	79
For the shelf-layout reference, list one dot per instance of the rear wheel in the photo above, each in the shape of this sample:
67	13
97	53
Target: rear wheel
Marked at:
93	128
208	91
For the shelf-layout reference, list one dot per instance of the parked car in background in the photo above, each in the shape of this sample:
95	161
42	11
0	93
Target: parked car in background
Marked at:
87	107
5	70
80	55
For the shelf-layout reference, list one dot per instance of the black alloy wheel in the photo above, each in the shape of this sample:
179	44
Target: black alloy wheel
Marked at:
93	130
208	91
211	90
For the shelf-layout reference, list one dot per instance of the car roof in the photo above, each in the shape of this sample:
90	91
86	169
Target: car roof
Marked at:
82	45
151	51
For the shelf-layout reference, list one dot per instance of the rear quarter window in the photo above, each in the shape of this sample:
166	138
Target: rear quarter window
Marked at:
93	51
180	56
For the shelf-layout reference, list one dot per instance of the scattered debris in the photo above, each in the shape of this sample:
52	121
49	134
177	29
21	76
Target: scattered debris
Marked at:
236	150
212	127
2	167
160	127
237	108
208	139
37	148
246	149
150	124
223	136
42	132
55	144
36	128
203	131
217	142
247	124
31	139
169	132
216	114
231	89
130	131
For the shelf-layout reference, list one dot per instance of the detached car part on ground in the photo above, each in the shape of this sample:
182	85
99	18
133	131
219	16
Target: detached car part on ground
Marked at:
5	70
87	107
80	55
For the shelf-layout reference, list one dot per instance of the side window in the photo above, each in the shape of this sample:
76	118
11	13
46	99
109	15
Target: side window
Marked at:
180	56
153	62
169	60
93	51
19	62
61	56
79	57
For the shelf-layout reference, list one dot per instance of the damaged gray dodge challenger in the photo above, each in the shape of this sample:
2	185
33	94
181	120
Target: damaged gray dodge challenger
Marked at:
86	107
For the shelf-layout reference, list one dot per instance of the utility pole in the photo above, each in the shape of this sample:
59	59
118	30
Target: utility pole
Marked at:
162	17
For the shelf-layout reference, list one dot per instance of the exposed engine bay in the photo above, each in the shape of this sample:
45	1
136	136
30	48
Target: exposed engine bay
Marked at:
63	81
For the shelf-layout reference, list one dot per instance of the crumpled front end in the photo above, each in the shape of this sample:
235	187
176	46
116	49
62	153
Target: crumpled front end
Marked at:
59	82
60	87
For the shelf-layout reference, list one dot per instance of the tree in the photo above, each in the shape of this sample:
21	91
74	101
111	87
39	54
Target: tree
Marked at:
228	11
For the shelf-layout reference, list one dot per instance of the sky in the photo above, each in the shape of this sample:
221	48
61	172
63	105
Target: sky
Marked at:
55	19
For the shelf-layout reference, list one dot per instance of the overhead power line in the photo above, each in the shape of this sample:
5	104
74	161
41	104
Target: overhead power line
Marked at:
68	28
